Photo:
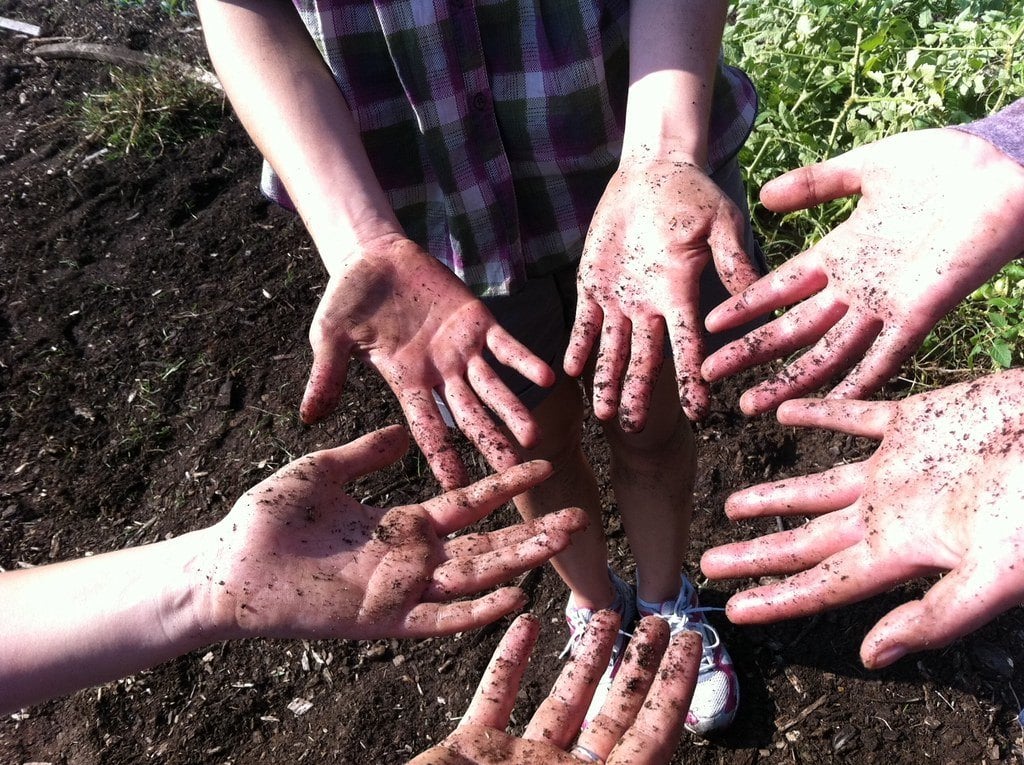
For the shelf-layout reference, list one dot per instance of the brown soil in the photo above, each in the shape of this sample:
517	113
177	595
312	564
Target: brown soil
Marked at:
153	318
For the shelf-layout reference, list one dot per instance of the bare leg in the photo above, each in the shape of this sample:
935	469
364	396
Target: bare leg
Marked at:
652	476
584	565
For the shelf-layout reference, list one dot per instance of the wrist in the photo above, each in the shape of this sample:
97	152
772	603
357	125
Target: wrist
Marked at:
196	607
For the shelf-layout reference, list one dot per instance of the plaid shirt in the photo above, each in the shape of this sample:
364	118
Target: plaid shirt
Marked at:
494	125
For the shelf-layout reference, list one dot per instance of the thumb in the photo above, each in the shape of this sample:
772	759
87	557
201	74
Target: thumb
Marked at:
814	184
726	240
326	378
959	603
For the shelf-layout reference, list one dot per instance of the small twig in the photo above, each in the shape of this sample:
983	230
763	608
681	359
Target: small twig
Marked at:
783	724
124	57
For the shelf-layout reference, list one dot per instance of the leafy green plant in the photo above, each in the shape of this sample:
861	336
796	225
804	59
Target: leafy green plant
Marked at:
835	74
143	113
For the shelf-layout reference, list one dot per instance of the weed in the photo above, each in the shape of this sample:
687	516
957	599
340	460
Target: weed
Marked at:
144	113
172	7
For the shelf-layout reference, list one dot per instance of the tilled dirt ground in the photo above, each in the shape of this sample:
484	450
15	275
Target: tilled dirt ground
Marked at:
153	318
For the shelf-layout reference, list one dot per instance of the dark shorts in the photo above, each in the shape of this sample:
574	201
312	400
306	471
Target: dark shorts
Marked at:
541	314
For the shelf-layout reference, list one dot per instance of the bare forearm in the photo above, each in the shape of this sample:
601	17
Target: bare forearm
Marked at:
73	625
292	108
674	50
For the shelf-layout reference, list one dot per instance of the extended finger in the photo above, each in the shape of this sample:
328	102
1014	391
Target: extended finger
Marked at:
814	184
687	354
476	423
612	360
784	552
832	354
586	330
326	376
569	521
432	435
629	689
559	716
957	604
799	327
726	240
870	419
655	735
465	576
846	577
437	619
806	495
503	402
365	455
894	345
515	355
794	281
646	361
457	509
495	697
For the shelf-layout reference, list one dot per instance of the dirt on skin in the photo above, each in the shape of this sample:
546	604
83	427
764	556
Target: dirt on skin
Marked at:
153	352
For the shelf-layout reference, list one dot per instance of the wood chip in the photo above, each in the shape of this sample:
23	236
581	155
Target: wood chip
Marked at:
20	27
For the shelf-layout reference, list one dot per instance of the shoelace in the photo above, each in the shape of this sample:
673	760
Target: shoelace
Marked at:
691	618
579	621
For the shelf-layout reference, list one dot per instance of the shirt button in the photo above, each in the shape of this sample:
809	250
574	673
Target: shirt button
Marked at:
480	102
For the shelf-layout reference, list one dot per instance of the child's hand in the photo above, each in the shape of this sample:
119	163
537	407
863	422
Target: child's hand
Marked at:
413	321
641	721
940	212
298	557
942	494
654	230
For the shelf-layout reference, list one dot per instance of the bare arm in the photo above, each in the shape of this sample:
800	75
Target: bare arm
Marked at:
296	557
388	303
292	108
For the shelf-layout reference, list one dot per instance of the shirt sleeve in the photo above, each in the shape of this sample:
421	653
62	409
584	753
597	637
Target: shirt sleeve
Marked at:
1004	130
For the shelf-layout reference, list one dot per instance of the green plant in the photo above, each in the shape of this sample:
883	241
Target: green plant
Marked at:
174	7
143	113
835	74
985	331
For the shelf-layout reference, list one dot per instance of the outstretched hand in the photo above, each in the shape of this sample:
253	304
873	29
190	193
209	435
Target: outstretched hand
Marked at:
942	493
298	557
423	331
640	723
656	227
940	212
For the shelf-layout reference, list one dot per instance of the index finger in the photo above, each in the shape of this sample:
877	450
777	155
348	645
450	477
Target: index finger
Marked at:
655	735
433	437
495	695
458	508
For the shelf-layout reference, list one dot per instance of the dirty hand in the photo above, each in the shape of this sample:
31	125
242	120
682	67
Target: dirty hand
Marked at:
942	493
414	322
940	212
654	230
298	557
641	722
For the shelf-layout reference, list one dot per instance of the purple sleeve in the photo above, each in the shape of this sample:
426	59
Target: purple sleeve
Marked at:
1004	130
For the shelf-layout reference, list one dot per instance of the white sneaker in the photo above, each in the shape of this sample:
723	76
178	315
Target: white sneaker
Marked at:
578	619
717	695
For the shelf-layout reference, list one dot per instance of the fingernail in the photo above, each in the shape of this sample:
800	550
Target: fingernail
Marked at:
889	655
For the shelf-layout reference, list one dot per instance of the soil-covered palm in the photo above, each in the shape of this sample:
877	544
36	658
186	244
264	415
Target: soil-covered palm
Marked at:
153	352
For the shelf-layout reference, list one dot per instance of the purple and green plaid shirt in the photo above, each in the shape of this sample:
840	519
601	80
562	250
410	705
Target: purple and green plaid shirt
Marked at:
494	125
